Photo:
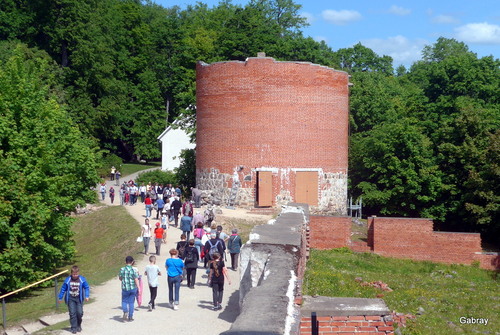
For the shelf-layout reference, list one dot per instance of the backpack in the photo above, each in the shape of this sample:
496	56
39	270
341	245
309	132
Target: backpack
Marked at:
213	248
182	249
187	209
190	257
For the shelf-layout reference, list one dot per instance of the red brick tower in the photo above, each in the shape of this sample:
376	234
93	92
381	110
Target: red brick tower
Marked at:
271	132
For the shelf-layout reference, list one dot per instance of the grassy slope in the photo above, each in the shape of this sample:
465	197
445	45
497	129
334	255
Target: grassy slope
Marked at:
103	239
445	292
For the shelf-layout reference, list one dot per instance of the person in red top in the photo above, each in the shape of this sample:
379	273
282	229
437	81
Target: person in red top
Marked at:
149	203
158	237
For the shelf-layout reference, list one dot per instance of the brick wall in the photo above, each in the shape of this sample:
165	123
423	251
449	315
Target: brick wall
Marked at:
414	238
328	232
359	325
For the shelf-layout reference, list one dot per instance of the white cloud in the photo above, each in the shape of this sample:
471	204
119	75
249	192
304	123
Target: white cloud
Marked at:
321	38
396	10
341	17
481	33
401	49
445	19
309	17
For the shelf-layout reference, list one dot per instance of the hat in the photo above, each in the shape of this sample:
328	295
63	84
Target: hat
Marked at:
129	259
157	224
208	229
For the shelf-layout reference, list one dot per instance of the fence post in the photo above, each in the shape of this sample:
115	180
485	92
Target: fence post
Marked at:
4	314
314	323
55	288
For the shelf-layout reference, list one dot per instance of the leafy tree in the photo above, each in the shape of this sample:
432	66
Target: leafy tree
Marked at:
394	169
186	172
46	170
360	59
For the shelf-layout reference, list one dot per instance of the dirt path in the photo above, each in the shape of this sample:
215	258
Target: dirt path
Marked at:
195	314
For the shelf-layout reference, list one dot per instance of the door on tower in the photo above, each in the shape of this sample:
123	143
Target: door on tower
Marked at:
264	188
306	187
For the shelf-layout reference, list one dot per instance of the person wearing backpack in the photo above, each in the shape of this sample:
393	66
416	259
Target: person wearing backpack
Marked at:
191	257
216	277
234	246
213	245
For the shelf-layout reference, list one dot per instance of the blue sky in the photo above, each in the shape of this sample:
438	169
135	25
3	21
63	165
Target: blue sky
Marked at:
399	29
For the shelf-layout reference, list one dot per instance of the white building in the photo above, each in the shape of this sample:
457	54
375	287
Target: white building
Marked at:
173	140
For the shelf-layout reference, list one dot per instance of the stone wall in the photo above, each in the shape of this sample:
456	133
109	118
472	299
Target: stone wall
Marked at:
271	265
216	188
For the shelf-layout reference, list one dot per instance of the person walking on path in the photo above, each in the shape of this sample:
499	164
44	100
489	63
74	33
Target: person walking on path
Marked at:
130	283
186	225
216	279
112	194
174	266
102	190
196	192
146	235
149	204
175	209
159	234
152	272
191	258
159	205
234	246
75	290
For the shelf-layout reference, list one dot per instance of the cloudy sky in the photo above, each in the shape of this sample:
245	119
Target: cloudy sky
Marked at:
399	29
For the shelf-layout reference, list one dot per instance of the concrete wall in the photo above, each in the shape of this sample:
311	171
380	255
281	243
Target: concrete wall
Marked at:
248	115
271	265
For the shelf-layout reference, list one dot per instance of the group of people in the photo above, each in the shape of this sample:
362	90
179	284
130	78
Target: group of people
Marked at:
208	245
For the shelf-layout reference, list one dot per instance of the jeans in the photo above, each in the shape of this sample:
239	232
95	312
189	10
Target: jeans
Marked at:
148	211
75	308
174	285
198	245
128	298
217	292
103	195
146	244
176	217
158	242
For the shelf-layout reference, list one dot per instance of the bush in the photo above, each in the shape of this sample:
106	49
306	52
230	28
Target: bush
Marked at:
157	176
106	163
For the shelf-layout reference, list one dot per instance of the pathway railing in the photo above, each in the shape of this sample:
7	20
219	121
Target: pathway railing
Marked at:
4	307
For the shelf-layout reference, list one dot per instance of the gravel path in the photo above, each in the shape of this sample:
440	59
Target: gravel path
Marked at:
194	316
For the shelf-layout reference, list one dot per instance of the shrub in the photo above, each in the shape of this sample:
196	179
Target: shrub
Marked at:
157	176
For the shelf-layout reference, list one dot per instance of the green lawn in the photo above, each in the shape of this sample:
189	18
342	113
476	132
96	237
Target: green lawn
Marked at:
128	169
103	239
443	293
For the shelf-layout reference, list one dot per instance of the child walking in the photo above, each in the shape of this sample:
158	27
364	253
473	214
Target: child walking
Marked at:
216	279
152	272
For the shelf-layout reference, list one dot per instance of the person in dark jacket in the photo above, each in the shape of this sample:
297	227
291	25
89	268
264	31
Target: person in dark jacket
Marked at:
191	258
234	247
75	290
175	208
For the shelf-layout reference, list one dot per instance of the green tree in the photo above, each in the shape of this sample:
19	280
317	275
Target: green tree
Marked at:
393	168
46	170
360	59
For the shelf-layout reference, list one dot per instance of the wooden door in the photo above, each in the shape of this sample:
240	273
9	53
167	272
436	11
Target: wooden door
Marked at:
306	187
264	188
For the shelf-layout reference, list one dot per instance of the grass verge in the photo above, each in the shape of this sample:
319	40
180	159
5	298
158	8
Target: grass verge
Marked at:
102	239
437	294
128	169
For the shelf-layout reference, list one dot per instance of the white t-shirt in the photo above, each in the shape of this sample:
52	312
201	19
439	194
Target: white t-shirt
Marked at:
147	230
152	272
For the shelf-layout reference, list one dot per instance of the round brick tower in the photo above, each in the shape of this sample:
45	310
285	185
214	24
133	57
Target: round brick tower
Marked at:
272	132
